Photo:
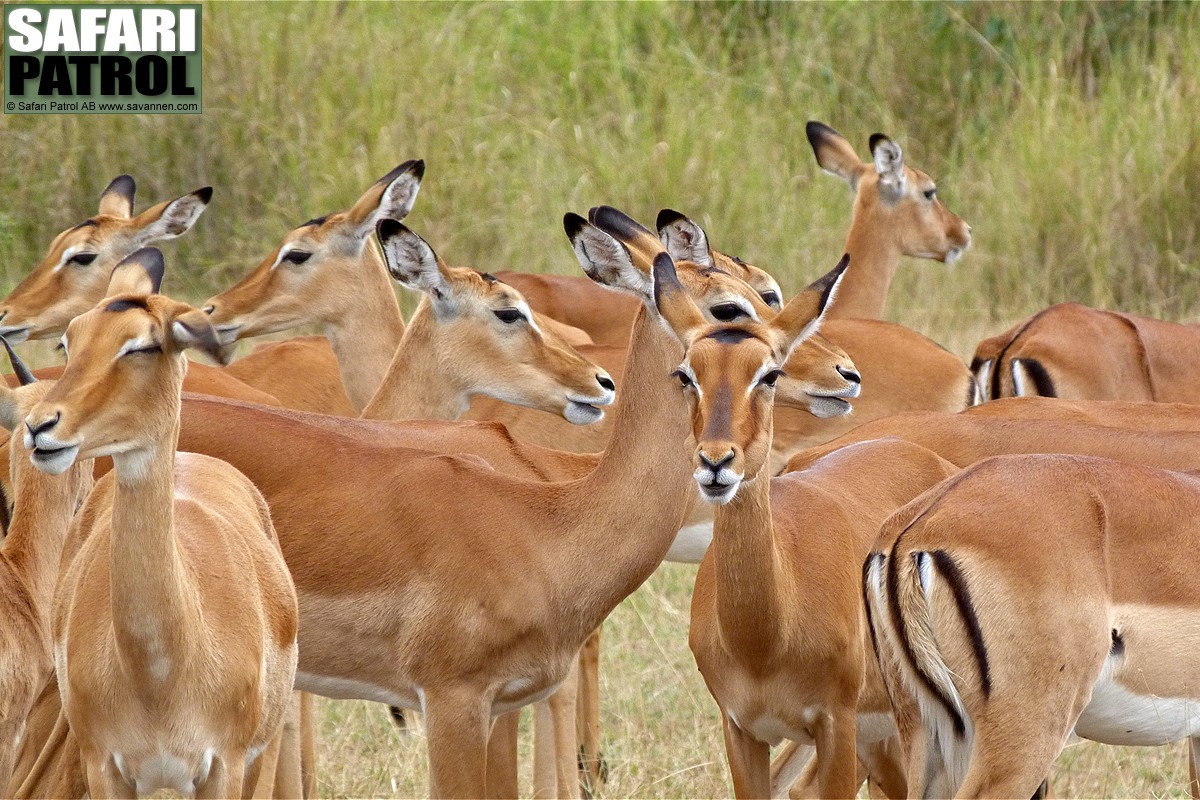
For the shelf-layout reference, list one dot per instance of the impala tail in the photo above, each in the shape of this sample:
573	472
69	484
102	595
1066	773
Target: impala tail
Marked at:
899	590
1030	378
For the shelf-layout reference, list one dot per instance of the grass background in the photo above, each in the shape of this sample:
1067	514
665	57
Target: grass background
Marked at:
1066	134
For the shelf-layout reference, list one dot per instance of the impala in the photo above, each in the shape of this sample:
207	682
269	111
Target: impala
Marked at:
324	272
777	627
896	212
28	566
1080	353
73	275
473	335
999	641
172	675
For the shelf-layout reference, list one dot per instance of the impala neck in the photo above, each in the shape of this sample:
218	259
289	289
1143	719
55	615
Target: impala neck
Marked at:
874	256
632	504
42	509
154	602
365	338
749	605
418	385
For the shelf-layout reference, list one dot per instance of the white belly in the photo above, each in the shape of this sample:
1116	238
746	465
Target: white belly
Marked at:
1116	715
691	543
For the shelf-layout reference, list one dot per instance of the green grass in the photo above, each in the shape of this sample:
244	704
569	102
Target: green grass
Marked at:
1065	133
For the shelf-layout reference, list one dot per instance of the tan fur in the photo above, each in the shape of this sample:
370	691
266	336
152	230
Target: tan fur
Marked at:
43	505
456	347
885	224
1150	436
343	286
146	676
1094	354
1049	601
55	292
777	627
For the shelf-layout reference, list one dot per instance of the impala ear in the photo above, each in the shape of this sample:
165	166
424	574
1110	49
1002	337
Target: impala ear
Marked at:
190	328
140	273
801	317
674	304
117	198
834	154
684	239
642	243
171	218
411	261
605	260
889	163
392	196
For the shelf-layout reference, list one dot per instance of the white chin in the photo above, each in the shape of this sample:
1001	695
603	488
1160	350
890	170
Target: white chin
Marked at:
823	407
17	336
581	413
56	462
952	255
719	497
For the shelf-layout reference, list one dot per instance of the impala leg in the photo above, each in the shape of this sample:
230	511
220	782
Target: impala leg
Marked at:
793	771
592	767
837	762
457	724
308	746
545	783
105	781
1014	769
502	757
259	783
225	779
563	710
749	761
1193	778
884	762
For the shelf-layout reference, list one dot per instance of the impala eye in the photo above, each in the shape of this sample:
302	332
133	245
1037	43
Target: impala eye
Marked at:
770	378
727	312
297	257
930	194
149	350
508	315
685	380
82	259
771	299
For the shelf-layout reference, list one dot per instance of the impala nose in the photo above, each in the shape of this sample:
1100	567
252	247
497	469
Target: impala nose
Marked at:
606	383
209	309
849	374
43	426
718	465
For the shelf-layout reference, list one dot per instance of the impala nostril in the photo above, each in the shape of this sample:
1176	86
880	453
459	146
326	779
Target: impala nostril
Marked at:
606	382
716	466
44	425
849	374
209	309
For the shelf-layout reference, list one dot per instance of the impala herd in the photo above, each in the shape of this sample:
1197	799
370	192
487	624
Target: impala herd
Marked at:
905	584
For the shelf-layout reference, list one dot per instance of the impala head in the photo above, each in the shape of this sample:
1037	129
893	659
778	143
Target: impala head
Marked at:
15	403
892	197
121	387
489	339
73	275
314	274
821	376
730	372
